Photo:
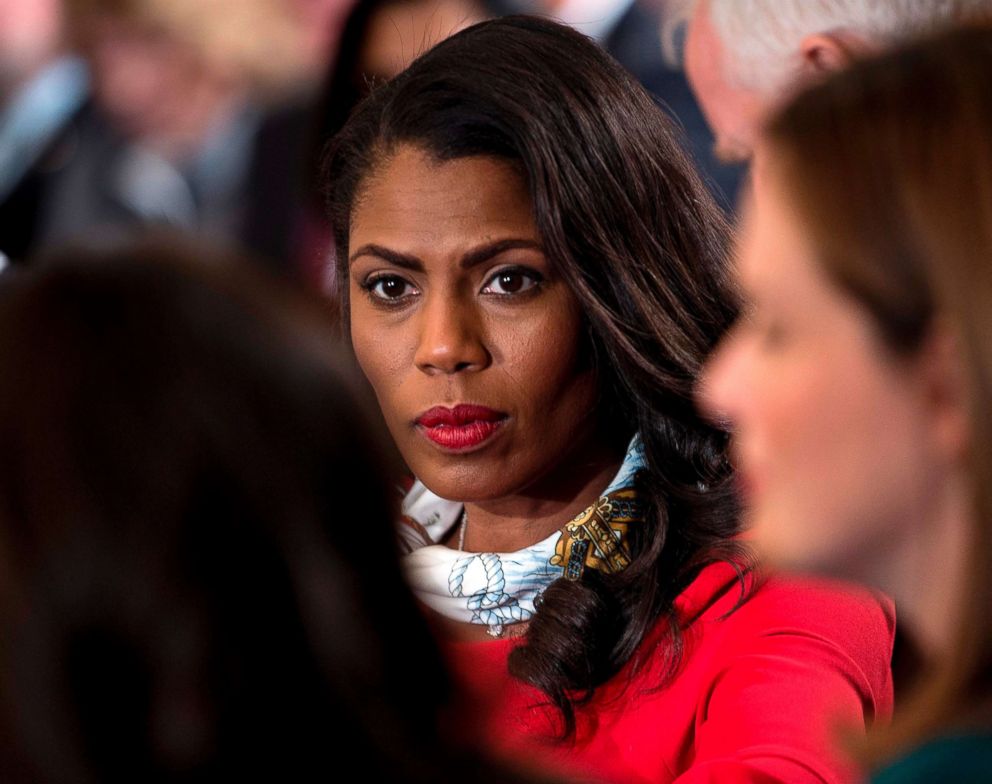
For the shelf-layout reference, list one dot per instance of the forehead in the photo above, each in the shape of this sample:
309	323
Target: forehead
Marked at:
774	251
411	197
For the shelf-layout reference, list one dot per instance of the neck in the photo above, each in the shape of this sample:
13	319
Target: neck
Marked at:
513	523
926	576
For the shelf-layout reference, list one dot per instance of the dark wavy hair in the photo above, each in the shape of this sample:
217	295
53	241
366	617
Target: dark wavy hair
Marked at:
633	230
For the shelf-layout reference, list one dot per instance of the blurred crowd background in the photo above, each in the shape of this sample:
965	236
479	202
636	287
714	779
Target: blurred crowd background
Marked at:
209	116
169	397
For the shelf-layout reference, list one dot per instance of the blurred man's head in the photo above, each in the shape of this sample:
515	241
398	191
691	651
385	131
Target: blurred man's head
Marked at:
743	57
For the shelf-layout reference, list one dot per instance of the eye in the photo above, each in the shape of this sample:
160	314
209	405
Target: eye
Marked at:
774	335
770	332
512	280
389	288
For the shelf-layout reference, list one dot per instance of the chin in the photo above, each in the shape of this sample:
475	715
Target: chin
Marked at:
777	542
802	554
459	483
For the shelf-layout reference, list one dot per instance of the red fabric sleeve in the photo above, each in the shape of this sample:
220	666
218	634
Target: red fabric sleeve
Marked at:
800	664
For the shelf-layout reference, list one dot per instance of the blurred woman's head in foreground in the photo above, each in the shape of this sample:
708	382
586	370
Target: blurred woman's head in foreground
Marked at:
199	575
859	383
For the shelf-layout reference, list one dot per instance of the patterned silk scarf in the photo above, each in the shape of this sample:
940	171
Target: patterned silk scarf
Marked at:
500	588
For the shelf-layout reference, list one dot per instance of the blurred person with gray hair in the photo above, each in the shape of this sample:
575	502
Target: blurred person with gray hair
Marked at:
744	58
630	30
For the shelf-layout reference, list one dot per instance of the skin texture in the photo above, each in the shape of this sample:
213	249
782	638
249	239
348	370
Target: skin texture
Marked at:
503	331
844	458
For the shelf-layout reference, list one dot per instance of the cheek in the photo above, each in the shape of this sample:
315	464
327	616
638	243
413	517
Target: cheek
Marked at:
790	411
547	361
790	443
799	415
846	476
383	358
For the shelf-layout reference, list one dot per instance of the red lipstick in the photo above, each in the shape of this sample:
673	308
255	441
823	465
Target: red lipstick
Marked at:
745	488
460	428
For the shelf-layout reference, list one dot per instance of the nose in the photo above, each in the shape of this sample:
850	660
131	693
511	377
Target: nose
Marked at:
723	385
451	337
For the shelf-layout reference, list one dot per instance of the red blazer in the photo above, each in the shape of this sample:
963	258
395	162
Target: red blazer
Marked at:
763	694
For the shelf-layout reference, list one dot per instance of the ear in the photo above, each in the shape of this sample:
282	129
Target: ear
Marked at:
946	389
824	53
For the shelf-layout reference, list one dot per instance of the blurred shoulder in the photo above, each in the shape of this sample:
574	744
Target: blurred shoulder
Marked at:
861	619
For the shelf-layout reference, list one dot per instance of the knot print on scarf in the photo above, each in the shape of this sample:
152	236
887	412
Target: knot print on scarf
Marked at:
480	579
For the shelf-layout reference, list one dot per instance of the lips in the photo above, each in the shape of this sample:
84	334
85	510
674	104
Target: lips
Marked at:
460	428
746	476
745	488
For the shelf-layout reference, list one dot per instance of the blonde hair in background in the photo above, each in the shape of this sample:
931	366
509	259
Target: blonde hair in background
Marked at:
761	37
259	40
890	167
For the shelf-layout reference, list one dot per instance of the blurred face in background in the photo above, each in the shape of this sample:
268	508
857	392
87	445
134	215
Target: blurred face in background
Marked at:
833	435
319	25
471	339
154	86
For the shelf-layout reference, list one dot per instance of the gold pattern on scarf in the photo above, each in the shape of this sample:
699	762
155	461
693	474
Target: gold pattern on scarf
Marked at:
597	538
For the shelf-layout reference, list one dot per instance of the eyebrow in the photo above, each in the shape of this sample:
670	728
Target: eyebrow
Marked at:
404	260
485	252
474	257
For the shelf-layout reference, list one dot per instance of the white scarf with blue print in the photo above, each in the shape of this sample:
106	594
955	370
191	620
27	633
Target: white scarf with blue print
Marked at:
495	589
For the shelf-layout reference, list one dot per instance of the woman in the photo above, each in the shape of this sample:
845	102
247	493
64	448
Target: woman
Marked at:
182	593
859	386
532	274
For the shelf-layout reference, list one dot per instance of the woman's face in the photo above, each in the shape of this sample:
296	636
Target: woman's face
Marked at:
832	436
470	337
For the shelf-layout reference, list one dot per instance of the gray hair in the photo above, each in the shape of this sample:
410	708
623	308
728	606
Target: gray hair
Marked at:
761	37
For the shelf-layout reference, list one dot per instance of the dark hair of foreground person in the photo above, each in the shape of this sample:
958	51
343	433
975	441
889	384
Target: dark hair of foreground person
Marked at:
199	573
